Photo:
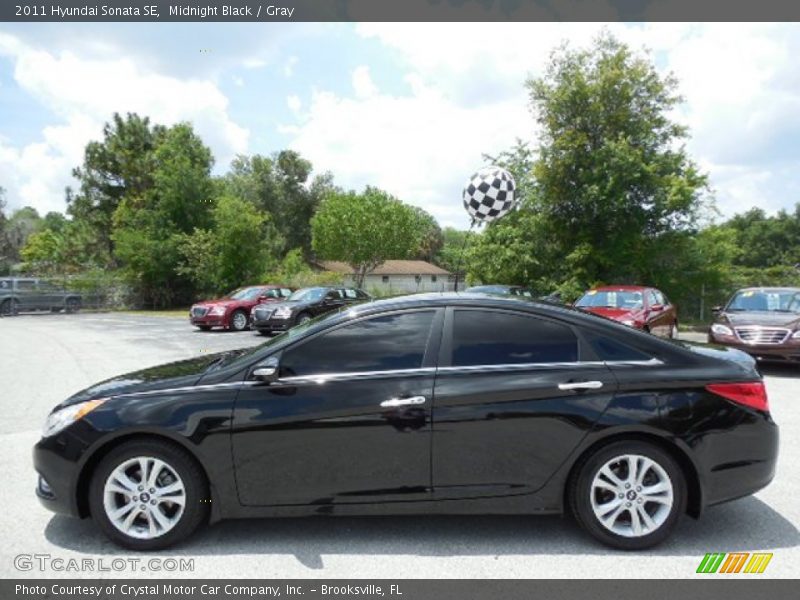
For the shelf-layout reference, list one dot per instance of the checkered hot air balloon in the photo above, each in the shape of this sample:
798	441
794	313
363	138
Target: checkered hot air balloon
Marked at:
489	194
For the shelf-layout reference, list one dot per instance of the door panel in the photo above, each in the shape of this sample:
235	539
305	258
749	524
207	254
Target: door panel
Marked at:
513	398
312	442
349	419
507	431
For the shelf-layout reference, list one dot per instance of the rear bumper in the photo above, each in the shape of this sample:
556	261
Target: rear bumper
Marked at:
740	461
780	352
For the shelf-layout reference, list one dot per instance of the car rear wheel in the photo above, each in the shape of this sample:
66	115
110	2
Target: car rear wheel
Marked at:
239	320
9	307
303	317
628	495
73	305
148	495
673	330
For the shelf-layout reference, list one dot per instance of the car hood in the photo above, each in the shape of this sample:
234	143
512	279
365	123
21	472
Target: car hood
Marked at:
610	313
171	375
293	304
767	318
218	302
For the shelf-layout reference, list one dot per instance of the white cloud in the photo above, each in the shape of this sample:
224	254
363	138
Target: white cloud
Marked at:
83	94
288	66
419	147
740	82
294	103
362	82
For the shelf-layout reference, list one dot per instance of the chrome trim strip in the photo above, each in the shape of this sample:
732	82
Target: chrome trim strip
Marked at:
325	377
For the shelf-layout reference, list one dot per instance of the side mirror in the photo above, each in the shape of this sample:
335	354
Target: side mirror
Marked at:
262	298
266	371
657	307
716	310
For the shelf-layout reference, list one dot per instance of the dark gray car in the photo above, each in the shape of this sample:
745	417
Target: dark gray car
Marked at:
19	294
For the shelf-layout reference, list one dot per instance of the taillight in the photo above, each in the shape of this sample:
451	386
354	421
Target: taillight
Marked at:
752	394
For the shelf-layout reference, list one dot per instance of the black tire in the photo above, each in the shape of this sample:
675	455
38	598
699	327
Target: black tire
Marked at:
9	307
72	305
673	331
239	327
204	327
580	495
302	318
197	497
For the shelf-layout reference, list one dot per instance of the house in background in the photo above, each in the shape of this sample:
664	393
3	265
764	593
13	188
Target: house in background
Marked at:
396	276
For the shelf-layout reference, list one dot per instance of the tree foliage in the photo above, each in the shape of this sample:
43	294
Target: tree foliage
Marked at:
364	230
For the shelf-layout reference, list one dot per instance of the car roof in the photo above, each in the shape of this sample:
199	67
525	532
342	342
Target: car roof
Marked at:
768	289
631	288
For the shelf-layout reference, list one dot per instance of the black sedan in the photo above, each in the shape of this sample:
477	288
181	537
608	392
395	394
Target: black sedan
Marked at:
303	305
446	403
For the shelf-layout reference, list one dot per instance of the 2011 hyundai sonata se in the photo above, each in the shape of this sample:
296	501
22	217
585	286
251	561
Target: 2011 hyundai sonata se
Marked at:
446	403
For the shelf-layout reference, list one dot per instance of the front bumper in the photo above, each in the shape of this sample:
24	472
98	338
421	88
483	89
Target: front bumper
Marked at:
788	351
272	325
209	321
56	462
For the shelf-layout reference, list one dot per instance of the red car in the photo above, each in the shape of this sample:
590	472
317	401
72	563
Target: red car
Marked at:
637	306
233	311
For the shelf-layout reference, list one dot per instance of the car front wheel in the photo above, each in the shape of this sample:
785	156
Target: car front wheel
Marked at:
148	495
628	495
239	320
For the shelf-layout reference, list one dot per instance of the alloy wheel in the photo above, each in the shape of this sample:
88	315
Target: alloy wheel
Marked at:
239	320
144	497
631	495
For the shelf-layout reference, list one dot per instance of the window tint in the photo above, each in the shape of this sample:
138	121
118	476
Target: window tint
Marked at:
25	284
610	349
349	293
378	344
651	298
496	338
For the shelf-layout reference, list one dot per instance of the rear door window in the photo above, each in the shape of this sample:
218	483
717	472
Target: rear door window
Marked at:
482	337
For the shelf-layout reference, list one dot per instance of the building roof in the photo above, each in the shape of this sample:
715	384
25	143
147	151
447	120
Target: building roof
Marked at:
389	267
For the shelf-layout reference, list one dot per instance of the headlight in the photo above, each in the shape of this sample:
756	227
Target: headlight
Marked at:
283	312
796	335
59	420
217	310
721	329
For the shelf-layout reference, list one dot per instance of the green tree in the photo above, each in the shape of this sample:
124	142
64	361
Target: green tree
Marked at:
612	175
279	185
430	235
119	167
364	230
150	225
236	251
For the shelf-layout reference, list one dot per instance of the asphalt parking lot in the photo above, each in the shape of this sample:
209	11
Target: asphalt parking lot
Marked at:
44	358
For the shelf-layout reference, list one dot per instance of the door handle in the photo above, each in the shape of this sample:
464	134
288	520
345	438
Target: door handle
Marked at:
395	402
581	385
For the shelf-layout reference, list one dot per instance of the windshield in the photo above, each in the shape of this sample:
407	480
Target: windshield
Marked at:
611	299
287	335
307	295
766	301
245	293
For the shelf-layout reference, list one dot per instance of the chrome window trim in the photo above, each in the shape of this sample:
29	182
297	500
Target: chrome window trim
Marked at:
321	378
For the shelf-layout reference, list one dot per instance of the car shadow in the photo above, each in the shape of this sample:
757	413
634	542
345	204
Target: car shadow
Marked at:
744	525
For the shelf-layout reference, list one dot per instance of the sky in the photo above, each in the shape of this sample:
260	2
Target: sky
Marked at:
408	107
